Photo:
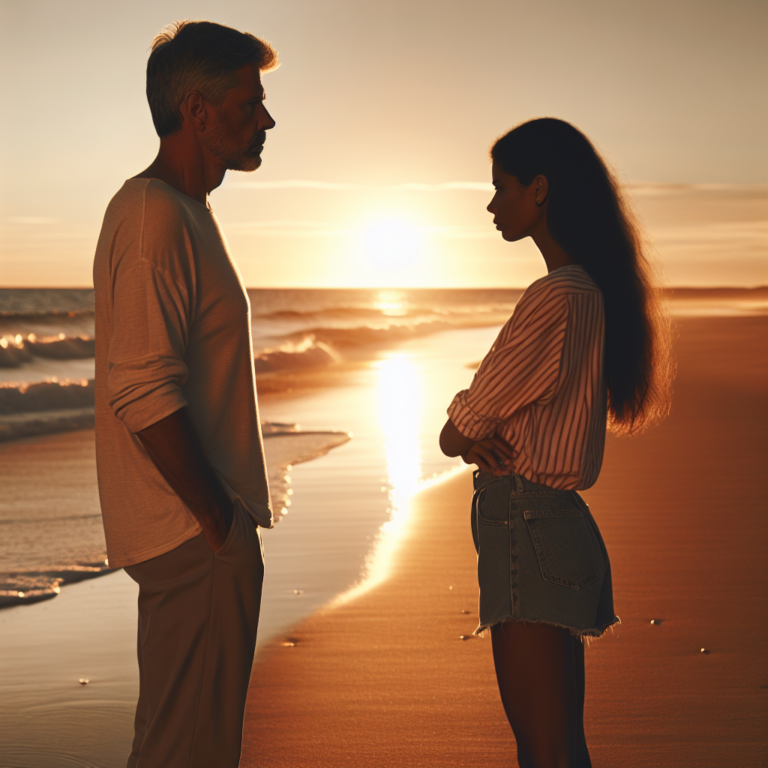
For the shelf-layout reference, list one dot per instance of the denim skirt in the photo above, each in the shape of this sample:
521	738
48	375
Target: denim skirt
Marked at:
540	557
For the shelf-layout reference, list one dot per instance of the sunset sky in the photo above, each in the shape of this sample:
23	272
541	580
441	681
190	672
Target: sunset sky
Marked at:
377	172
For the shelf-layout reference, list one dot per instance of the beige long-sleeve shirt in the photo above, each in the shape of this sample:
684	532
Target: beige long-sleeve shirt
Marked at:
541	386
172	330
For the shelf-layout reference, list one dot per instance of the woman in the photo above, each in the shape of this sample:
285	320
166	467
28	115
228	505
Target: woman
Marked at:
586	347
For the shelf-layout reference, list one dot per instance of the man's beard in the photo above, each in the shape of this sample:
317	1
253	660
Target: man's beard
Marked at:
235	156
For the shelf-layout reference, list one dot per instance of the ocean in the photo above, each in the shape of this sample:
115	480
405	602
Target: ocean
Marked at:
338	368
353	387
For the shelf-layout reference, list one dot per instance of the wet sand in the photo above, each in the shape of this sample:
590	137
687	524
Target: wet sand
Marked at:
385	680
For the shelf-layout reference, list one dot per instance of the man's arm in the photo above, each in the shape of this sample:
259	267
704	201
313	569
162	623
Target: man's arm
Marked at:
174	447
490	454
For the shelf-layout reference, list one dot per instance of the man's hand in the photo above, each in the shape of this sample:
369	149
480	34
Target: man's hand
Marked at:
492	455
174	447
216	532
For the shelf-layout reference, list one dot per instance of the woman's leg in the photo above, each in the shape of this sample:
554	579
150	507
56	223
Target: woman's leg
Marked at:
540	670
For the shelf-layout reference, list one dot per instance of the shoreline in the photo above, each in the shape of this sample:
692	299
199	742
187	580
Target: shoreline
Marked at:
385	680
336	697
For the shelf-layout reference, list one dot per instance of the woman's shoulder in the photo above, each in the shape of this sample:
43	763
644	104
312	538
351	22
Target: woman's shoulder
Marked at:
560	282
549	294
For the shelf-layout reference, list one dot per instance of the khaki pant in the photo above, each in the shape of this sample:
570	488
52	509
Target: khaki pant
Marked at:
198	615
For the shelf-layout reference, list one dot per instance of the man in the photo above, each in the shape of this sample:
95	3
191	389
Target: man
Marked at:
182	478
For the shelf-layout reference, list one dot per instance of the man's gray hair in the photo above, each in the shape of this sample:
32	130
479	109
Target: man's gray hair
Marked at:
198	56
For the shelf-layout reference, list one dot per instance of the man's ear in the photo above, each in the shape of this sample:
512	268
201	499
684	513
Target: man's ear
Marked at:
194	110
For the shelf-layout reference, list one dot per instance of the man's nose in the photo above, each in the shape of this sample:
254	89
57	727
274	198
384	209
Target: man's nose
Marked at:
265	120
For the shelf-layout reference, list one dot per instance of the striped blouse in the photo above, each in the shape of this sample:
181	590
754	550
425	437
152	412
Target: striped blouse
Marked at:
541	386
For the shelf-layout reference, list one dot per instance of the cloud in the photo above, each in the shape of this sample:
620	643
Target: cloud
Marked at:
637	188
463	232
287	228
30	220
333	186
295	228
657	189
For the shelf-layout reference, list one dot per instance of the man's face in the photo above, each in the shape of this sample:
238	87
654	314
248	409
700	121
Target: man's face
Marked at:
238	131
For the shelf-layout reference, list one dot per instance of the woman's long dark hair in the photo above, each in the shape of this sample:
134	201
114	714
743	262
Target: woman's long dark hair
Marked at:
589	217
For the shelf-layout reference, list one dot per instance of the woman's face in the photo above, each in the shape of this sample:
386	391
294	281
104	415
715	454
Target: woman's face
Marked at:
514	208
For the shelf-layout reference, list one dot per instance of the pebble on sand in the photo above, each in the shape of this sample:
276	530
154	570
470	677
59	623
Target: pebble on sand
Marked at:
298	591
656	621
467	637
288	644
83	681
704	650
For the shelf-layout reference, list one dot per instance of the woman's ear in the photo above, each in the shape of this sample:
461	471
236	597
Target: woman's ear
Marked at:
541	190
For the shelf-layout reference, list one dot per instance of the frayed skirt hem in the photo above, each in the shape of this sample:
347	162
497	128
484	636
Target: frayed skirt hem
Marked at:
591	633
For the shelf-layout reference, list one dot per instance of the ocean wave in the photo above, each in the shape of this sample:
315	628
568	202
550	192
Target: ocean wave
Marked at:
26	587
295	356
51	316
46	396
33	575
389	315
17	350
286	445
336	313
13	353
322	346
19	425
365	336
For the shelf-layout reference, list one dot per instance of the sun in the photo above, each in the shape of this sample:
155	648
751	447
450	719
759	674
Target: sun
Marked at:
391	243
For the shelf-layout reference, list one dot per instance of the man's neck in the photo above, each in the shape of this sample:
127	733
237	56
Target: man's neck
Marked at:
183	164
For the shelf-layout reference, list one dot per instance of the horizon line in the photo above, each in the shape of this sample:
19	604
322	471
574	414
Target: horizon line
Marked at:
761	286
452	186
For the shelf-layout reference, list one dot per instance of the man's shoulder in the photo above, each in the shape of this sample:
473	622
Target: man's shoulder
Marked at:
148	200
147	222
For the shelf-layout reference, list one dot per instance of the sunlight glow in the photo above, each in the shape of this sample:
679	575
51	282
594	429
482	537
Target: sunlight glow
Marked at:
400	413
391	243
391	303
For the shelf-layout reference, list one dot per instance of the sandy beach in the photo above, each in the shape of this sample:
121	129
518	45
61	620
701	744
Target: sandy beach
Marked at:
386	680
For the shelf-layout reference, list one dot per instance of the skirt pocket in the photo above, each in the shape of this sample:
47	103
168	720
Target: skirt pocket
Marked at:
566	546
492	539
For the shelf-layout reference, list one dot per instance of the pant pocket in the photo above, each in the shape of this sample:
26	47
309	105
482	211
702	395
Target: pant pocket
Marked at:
234	532
566	547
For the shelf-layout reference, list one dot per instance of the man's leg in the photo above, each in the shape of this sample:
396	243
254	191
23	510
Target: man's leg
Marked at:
140	719
198	615
237	583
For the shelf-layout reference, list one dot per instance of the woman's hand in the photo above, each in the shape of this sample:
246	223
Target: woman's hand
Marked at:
492	455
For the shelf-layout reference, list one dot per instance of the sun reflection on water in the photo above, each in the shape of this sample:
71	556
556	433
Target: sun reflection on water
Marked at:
391	303
399	396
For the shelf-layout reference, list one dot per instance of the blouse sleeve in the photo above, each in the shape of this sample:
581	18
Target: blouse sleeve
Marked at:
521	368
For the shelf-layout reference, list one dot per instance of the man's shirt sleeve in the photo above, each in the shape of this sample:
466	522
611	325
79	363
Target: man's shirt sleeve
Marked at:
150	325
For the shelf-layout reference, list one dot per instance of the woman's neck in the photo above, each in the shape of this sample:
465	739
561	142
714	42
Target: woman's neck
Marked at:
555	256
